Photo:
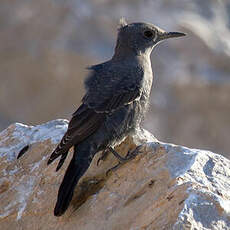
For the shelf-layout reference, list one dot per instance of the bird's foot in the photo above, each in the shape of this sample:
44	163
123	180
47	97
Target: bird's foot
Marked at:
129	156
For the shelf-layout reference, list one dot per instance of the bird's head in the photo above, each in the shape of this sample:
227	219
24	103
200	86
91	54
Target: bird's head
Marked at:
141	38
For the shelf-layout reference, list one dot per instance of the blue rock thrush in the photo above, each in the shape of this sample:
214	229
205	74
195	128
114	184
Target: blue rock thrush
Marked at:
116	99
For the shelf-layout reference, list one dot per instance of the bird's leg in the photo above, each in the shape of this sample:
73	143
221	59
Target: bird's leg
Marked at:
118	156
106	152
129	156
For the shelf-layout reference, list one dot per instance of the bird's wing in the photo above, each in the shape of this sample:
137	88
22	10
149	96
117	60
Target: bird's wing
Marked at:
84	122
105	94
112	102
109	90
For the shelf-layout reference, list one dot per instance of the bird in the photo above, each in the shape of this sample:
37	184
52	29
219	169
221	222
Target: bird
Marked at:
115	102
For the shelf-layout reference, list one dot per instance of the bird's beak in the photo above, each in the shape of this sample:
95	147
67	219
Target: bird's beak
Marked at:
167	35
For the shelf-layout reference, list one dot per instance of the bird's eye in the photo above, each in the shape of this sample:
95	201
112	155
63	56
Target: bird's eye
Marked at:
148	34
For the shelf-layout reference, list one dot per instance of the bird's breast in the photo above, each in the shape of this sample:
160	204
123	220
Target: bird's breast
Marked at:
146	88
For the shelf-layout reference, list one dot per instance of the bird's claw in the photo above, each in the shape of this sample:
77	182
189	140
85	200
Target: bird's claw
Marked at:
99	160
102	157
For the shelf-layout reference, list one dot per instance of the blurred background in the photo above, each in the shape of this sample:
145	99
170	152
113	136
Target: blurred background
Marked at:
45	46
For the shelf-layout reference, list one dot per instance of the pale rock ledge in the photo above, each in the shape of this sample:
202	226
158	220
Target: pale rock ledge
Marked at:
165	187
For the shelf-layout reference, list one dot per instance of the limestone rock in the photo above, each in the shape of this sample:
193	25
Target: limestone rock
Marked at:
164	187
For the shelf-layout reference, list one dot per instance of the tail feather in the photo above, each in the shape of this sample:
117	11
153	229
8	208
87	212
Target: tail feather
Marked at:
73	174
62	160
62	148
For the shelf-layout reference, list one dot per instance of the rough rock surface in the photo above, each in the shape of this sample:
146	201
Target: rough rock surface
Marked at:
164	187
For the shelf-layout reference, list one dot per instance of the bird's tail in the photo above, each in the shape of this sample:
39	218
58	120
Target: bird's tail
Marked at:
74	172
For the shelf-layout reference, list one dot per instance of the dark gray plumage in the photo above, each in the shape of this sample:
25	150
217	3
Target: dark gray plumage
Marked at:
117	95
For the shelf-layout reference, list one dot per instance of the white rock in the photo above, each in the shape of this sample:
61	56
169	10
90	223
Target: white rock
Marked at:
194	185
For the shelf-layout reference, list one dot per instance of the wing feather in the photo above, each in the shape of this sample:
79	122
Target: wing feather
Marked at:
106	93
84	122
